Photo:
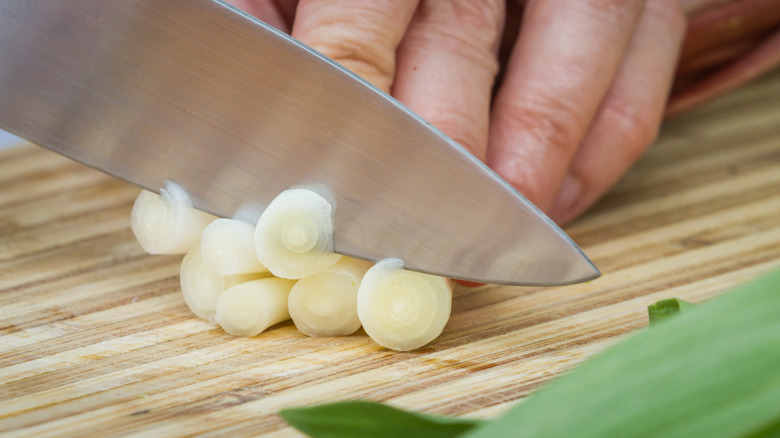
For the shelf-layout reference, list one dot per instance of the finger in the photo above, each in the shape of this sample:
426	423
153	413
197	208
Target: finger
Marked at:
360	35
447	62
278	14
563	62
628	120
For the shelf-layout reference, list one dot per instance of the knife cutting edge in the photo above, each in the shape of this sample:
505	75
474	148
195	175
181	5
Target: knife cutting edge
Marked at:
234	111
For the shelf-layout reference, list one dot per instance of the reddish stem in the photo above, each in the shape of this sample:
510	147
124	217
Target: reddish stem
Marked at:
758	61
469	283
723	23
715	57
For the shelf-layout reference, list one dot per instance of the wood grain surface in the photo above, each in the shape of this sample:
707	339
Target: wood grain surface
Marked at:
96	340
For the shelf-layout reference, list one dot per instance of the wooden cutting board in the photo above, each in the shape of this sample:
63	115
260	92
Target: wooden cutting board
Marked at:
96	340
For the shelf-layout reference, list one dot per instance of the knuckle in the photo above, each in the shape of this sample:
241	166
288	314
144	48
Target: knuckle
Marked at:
476	16
360	51
462	127
553	122
638	128
363	41
470	28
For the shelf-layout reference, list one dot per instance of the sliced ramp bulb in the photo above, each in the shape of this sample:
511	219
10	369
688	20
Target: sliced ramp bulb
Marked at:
325	303
167	223
294	236
201	286
403	310
247	309
228	247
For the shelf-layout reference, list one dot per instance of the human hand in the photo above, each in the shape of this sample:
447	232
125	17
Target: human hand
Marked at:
577	100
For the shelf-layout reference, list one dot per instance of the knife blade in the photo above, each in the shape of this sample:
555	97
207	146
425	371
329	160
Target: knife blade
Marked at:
196	92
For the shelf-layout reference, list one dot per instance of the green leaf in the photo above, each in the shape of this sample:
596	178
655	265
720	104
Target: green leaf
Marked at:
713	373
362	419
666	309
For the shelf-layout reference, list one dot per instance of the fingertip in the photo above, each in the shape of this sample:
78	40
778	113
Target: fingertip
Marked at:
568	204
525	165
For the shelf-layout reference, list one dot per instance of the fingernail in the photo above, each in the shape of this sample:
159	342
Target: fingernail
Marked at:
563	209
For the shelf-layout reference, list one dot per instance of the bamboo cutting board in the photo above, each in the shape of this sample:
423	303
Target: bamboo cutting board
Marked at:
96	340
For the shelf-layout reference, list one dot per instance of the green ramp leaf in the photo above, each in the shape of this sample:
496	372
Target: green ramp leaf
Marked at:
667	309
362	419
714	373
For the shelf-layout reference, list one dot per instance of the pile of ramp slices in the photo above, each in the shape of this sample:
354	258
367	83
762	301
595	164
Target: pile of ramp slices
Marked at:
248	277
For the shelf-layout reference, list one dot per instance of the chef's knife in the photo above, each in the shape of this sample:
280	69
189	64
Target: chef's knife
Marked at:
234	111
